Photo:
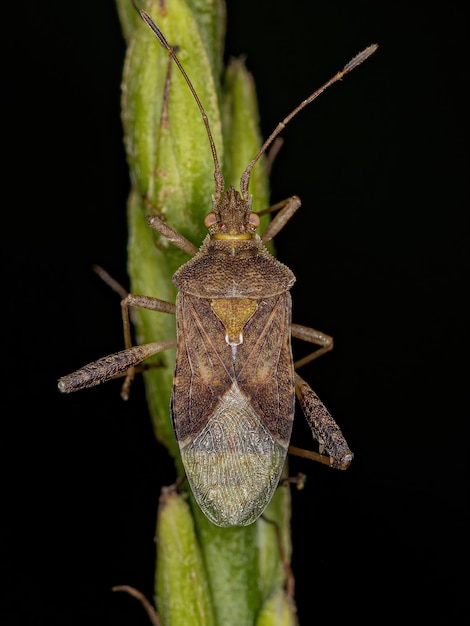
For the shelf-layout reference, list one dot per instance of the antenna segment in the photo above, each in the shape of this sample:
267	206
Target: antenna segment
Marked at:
245	178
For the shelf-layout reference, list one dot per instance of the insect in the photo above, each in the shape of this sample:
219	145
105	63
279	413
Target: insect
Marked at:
235	383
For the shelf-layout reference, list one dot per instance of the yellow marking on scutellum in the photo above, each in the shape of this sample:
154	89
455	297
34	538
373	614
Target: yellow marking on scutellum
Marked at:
234	314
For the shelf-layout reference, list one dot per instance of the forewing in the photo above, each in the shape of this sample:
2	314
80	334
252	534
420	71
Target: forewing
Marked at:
231	413
203	370
264	365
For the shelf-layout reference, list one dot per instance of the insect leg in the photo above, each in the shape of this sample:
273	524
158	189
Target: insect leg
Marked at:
286	209
129	300
143	302
324	428
111	366
312	336
172	235
123	362
157	222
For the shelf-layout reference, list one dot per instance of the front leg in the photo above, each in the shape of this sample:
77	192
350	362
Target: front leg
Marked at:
286	209
172	235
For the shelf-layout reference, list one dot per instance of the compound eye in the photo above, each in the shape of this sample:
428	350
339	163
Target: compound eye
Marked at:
210	219
253	220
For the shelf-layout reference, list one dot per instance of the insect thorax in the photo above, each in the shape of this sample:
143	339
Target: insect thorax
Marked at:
233	269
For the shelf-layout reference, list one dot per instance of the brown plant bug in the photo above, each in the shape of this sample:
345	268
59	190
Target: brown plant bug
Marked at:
235	382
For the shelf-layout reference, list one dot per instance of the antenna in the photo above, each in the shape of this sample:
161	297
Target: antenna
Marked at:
245	178
353	63
218	176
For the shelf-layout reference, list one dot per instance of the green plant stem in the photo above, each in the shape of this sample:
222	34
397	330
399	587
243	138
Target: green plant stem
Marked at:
205	574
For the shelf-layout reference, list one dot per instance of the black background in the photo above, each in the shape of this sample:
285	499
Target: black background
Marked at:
379	249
